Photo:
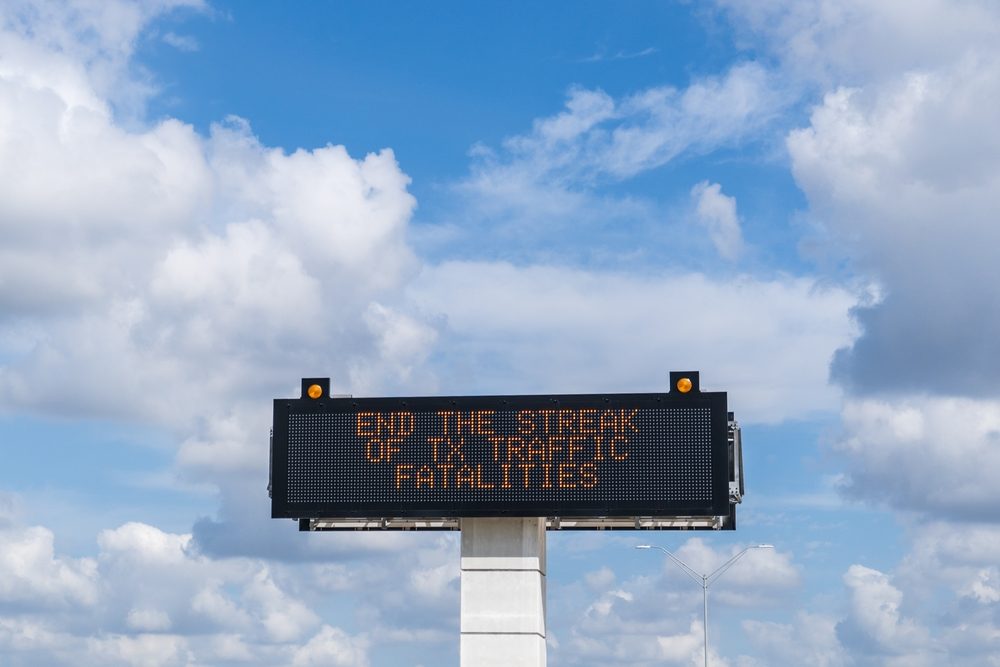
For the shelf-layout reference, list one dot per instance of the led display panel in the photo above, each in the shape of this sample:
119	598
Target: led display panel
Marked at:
554	455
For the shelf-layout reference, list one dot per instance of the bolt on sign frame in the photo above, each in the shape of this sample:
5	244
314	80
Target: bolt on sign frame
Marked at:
584	461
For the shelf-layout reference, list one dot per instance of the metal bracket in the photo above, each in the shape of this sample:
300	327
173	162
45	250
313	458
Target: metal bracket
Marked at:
735	462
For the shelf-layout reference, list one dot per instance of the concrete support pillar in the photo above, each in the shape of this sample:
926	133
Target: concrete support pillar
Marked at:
503	592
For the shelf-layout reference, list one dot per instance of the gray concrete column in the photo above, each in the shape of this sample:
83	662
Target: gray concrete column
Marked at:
503	592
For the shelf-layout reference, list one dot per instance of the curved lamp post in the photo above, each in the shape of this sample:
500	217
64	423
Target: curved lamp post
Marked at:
706	580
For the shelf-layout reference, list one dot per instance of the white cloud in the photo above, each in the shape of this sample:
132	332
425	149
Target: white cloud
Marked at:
639	620
933	453
284	618
100	233
546	184
148	601
144	543
985	588
403	344
962	557
717	214
228	648
331	646
141	650
56	40
22	635
545	329
949	582
761	575
185	43
247	270
810	640
876	617
661	123
688	648
938	607
227	443
201	266
856	40
899	162
902	176
76	189
436	581
213	604
601	579
34	577
137	256
148	620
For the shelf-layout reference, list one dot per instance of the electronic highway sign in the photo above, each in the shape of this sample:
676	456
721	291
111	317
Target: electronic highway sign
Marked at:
574	455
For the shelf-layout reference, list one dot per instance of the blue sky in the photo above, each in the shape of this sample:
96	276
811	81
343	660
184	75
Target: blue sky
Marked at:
203	202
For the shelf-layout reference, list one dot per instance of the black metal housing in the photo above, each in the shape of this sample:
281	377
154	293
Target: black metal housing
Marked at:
660	455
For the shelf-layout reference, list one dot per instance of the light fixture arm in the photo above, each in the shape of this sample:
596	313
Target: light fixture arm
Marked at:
687	570
705	580
722	569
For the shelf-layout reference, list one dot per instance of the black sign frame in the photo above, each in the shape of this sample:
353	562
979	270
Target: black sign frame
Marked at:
285	409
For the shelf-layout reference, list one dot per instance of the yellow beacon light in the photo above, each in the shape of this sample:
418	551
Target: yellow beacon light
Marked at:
314	391
684	385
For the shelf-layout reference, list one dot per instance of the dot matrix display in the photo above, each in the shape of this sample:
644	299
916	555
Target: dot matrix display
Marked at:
638	454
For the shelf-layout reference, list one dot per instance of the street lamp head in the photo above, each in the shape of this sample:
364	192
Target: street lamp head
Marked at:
643	546
763	546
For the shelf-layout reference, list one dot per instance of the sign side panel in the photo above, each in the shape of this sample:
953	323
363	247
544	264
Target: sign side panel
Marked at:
279	461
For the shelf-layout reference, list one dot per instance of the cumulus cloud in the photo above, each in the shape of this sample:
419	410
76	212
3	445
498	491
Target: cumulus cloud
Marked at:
600	579
141	650
641	620
951	573
889	619
148	599
283	618
933	454
876	622
686	648
331	646
826	41
180	279
809	640
761	575
899	163
916	212
32	576
262	287
543	329
717	214
63	42
961	556
938	607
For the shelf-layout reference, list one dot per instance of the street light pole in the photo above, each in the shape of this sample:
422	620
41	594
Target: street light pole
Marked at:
704	599
705	580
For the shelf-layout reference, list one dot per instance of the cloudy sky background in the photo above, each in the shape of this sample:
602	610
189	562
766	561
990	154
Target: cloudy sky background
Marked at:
203	202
